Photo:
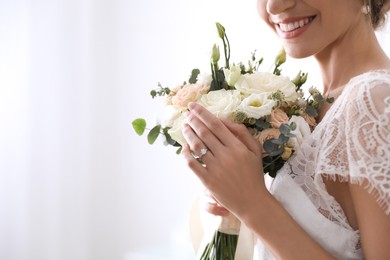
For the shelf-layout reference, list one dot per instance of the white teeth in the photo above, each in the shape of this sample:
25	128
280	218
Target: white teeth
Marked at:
288	27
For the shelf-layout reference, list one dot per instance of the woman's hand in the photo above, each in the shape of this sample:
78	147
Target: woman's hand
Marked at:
232	168
213	207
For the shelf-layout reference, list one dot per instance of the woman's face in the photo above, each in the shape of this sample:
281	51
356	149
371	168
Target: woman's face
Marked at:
308	27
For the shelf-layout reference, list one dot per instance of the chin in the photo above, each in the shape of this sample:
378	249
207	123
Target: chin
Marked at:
297	53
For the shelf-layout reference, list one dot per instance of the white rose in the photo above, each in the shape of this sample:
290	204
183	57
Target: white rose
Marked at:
301	132
232	75
265	82
176	131
204	79
257	105
221	103
169	115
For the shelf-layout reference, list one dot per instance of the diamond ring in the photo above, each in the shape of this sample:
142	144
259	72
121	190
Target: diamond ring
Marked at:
202	153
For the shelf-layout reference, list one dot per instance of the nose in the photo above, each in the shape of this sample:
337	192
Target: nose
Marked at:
275	7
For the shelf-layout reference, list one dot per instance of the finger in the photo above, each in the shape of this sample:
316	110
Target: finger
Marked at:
214	124
215	209
193	140
194	165
209	195
203	132
212	203
243	134
196	145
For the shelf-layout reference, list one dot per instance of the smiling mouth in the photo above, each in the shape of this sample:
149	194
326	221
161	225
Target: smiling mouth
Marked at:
291	26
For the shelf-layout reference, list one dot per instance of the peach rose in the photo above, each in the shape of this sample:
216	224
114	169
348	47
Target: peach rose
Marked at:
278	117
188	93
168	100
310	120
267	134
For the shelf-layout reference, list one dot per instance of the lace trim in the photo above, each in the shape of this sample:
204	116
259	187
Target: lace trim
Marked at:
381	197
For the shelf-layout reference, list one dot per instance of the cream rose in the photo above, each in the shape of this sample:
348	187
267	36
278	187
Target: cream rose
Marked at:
301	132
257	105
176	130
278	117
264	82
188	93
221	103
232	75
169	115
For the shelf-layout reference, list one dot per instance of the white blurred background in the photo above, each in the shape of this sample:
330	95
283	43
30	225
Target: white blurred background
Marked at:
76	182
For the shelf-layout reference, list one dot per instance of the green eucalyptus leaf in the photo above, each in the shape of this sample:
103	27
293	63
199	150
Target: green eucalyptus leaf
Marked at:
139	125
276	141
293	126
194	76
311	111
283	138
262	124
330	100
269	146
277	151
285	129
178	151
153	134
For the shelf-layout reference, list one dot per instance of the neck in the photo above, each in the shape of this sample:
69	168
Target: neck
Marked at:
356	52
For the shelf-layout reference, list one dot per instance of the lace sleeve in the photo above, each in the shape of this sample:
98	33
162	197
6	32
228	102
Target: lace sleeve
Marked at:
367	133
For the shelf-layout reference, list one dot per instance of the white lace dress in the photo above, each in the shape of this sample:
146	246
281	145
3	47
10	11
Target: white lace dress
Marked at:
352	143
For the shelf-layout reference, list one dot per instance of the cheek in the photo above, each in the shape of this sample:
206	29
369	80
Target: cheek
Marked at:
262	10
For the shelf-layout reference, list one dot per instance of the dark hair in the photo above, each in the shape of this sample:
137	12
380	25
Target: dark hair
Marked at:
379	9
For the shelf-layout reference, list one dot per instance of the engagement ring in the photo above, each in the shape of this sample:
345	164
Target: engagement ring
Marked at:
202	153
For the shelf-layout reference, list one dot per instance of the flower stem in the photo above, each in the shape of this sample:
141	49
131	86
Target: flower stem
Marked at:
226	48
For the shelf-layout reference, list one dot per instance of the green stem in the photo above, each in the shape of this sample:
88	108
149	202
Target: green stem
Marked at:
273	161
226	49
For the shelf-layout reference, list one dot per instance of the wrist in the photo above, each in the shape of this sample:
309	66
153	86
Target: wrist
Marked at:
258	209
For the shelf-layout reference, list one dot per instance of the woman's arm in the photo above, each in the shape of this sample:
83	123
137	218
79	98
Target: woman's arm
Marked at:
374	224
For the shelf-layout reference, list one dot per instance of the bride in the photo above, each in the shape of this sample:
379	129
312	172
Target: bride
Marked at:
332	199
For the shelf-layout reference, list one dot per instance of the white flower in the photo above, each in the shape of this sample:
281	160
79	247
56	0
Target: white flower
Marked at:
264	82
169	115
221	103
176	131
204	79
232	75
257	105
301	132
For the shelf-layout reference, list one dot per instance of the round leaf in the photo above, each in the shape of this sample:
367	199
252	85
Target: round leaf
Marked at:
139	125
153	134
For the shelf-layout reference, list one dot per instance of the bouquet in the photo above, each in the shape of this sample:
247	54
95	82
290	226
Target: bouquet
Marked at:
272	107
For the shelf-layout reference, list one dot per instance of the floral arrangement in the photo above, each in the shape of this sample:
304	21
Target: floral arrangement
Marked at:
271	106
